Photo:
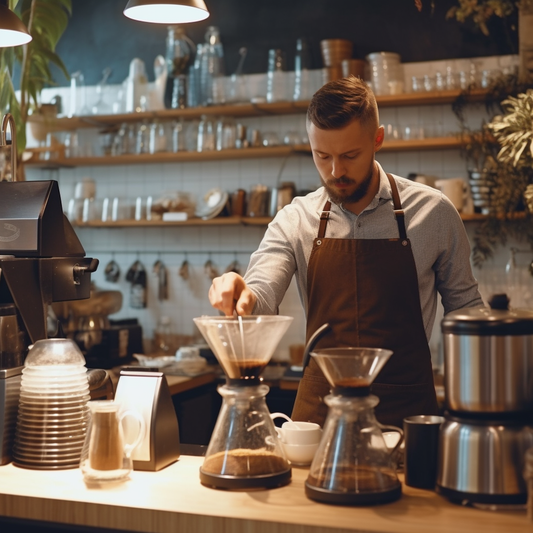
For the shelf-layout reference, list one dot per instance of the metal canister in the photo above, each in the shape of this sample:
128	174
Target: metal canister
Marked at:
488	359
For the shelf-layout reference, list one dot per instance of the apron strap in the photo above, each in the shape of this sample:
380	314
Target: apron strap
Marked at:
398	211
324	220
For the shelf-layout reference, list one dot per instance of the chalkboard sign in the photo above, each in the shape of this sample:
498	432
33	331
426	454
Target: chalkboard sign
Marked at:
100	36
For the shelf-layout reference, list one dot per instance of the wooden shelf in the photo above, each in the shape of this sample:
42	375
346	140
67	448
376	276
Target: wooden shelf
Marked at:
244	110
433	143
429	98
437	143
170	157
218	221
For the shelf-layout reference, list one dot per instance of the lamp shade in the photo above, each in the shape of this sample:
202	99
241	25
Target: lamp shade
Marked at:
166	11
12	30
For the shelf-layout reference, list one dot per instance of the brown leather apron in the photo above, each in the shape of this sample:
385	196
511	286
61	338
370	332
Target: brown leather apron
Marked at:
367	290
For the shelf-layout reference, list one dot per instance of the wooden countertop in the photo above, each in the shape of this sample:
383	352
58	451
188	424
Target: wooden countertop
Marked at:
173	500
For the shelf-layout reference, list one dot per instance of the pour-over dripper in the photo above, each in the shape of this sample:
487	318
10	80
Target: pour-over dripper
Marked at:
243	345
351	368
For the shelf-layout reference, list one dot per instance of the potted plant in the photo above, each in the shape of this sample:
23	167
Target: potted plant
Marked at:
27	68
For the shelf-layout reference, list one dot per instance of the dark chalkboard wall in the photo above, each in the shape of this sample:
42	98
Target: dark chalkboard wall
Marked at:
99	35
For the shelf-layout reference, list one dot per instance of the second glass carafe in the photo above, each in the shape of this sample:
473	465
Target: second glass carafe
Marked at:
353	464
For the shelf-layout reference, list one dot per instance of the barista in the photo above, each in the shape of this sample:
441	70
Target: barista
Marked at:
369	251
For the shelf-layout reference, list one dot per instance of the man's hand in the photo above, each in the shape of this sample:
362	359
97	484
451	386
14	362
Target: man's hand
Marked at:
229	293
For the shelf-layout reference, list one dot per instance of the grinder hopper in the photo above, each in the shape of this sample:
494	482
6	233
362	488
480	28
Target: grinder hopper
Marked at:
41	258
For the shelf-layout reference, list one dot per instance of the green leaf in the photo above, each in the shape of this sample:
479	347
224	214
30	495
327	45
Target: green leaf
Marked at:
46	21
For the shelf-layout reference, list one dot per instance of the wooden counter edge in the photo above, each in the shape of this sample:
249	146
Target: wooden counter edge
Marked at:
173	501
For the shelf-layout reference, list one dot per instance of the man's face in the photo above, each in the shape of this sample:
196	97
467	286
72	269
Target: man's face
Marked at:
344	159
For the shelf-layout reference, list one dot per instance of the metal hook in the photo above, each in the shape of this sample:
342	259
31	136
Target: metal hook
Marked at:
9	120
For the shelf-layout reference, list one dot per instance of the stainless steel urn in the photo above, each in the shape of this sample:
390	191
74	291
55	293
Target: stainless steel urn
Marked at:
488	381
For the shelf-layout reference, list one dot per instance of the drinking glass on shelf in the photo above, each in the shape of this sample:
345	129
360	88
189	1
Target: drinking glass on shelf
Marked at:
142	139
417	84
450	79
429	83
158	138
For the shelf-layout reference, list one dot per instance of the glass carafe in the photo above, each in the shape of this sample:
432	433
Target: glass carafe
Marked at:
244	451
353	464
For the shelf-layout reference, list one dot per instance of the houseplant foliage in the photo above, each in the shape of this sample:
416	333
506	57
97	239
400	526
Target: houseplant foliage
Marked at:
27	67
503	150
479	12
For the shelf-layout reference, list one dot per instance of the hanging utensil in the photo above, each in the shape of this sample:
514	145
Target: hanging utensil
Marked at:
234	266
136	275
160	270
184	270
312	342
210	270
112	271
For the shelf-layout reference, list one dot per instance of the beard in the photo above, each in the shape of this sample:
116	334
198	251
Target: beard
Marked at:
340	197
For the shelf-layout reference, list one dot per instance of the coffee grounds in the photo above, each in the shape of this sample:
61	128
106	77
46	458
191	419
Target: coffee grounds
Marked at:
244	462
355	479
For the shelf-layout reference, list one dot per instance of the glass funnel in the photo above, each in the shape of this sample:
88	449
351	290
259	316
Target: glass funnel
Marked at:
243	345
351	367
244	451
353	465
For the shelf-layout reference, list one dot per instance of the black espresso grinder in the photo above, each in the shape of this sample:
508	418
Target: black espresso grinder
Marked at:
41	261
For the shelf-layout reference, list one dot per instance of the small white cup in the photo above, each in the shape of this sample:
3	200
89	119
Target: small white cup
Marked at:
300	454
300	433
299	440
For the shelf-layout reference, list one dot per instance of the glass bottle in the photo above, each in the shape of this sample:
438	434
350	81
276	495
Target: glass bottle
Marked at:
206	135
178	136
158	138
276	80
301	71
212	69
180	51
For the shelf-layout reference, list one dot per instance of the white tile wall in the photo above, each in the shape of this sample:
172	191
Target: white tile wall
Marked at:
225	244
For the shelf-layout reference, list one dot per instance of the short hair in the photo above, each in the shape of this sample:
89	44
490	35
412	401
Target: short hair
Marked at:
339	102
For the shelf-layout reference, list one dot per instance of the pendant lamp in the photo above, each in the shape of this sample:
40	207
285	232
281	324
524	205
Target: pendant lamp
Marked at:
12	30
166	11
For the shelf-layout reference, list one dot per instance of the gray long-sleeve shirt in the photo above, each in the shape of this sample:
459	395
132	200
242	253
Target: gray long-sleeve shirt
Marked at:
438	238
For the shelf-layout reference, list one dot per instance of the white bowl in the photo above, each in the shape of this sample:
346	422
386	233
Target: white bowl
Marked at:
300	454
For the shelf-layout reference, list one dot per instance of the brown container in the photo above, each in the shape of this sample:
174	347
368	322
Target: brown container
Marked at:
335	50
331	73
355	67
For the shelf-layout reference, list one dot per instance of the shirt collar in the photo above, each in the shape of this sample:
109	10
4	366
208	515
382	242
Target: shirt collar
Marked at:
383	195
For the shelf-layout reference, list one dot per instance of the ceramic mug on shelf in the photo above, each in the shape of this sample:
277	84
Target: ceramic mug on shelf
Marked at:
456	189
